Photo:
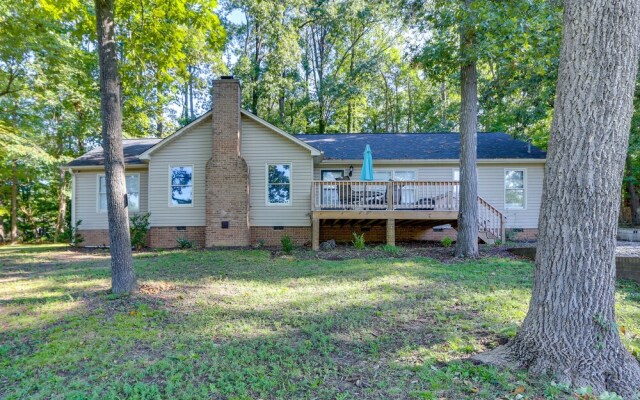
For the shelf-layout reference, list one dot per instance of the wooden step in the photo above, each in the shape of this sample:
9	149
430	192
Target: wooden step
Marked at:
486	238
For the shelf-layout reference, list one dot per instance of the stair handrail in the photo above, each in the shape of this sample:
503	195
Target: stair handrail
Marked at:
490	219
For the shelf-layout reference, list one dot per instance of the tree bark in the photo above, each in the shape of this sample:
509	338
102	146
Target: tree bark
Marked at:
570	330
634	200
13	236
62	207
467	242
123	278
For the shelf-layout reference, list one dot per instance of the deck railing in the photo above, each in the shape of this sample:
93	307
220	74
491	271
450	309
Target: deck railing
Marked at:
402	195
385	195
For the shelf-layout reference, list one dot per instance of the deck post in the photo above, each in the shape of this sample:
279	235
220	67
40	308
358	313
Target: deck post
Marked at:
315	234
390	195
391	232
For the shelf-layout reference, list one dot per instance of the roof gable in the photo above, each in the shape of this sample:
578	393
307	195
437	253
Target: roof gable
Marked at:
147	154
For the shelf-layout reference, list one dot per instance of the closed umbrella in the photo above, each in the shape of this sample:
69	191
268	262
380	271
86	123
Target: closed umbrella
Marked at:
367	170
367	165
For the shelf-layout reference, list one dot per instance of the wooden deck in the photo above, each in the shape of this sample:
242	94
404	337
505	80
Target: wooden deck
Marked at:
396	203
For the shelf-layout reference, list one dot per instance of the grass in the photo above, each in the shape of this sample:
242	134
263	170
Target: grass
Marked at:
244	325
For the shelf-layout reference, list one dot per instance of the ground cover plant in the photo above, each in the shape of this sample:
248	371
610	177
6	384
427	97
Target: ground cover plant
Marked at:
256	324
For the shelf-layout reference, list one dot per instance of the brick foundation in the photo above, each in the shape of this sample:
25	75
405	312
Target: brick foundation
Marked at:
94	237
166	237
522	235
301	235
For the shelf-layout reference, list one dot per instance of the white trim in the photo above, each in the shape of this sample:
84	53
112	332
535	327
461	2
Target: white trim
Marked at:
525	188
169	185
100	168
147	154
266	184
73	199
99	211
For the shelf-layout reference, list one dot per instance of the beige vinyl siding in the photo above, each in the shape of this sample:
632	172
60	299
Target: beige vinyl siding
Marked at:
191	148
260	146
490	184
491	188
85	198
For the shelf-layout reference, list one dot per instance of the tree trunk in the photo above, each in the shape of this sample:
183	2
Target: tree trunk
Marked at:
570	330
467	242
123	278
62	207
191	110
14	204
634	200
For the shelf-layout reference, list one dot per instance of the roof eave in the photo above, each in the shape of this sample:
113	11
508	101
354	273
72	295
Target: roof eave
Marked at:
437	161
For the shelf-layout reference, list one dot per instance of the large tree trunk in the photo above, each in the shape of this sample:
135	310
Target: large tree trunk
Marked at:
123	279
62	207
14	204
634	200
467	242
570	330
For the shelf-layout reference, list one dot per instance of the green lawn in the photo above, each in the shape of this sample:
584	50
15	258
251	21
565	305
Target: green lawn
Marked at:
245	325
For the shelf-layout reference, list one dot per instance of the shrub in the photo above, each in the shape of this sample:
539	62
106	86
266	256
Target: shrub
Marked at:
184	243
139	228
446	241
358	241
76	237
391	249
287	244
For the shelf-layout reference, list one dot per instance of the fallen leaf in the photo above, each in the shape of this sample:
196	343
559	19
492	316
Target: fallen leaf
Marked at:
519	390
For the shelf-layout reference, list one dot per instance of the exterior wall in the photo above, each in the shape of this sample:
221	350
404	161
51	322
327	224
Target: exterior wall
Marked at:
191	148
85	198
300	235
490	184
259	147
378	233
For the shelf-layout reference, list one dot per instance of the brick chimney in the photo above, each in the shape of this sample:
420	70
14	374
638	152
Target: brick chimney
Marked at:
227	176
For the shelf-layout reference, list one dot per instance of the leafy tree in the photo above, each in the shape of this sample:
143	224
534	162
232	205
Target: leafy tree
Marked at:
570	331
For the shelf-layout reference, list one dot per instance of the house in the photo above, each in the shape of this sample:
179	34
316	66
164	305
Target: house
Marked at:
230	178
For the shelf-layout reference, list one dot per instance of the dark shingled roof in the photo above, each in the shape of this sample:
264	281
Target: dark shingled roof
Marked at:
132	149
418	146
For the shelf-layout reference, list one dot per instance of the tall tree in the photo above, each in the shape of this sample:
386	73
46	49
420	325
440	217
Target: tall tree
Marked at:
467	242
570	330
123	278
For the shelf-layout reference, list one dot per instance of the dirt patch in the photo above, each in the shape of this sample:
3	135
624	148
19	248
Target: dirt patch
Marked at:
404	250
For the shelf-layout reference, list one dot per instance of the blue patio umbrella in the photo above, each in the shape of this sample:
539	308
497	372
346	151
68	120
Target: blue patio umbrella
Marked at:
367	165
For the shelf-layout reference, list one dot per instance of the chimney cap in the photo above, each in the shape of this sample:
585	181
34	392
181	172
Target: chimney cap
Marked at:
226	77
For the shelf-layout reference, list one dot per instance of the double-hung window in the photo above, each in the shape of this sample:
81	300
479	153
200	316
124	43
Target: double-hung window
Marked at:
279	184
515	195
181	185
133	192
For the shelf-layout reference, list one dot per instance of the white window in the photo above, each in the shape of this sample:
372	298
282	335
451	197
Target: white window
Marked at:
515	195
330	192
181	185
279	184
331	174
456	175
133	192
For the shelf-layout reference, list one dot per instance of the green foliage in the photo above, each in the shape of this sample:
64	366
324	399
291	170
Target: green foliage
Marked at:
446	242
287	244
138	229
76	237
184	243
391	249
358	241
